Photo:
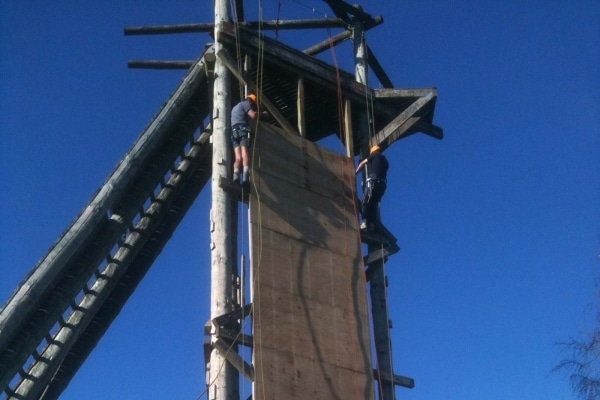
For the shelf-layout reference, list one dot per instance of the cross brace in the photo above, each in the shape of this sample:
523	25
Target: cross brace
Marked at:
395	379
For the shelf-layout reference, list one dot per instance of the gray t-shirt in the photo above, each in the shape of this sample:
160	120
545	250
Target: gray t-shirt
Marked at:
239	113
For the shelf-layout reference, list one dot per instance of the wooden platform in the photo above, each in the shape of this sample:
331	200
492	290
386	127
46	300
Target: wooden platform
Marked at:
310	320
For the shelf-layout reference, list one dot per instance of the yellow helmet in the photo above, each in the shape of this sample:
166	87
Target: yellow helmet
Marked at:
374	149
252	97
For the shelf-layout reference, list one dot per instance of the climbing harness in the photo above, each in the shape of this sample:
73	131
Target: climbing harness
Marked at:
241	133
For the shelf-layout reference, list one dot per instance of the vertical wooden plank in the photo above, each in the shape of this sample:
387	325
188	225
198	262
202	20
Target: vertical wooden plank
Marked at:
348	133
300	106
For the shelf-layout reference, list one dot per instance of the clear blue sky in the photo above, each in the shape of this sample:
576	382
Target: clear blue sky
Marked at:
499	223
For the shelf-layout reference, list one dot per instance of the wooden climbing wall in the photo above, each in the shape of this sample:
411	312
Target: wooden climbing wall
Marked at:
310	320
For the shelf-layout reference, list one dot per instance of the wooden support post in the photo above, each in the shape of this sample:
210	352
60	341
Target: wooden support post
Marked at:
360	62
381	326
348	133
223	377
234	359
300	106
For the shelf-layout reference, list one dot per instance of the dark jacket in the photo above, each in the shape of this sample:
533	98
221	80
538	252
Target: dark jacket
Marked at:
377	166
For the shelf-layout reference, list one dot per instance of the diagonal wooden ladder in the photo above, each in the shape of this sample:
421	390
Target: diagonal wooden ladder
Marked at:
60	311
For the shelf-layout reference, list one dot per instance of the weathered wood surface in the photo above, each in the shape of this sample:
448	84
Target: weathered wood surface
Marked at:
300	107
295	62
402	124
230	64
223	377
328	171
63	341
409	93
38	312
90	237
310	321
263	25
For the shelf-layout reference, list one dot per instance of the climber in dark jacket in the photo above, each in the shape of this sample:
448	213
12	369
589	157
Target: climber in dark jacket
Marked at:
376	183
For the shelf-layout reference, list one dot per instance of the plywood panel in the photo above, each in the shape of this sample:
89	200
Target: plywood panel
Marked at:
310	321
303	164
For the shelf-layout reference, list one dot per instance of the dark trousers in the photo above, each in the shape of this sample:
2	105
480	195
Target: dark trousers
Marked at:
372	195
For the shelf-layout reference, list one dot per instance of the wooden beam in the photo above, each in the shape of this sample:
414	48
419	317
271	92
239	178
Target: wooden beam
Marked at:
378	69
298	24
312	69
263	25
430	129
380	254
168	29
229	62
378	236
397	380
401	125
392	92
157	64
404	381
327	43
234	336
300	108
234	359
397	131
348	133
230	318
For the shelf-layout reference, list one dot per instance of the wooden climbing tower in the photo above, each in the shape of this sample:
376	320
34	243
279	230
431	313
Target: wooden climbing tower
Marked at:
306	321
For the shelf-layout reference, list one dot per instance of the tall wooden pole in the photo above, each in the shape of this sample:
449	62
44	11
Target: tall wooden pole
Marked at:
377	274
381	333
223	378
360	62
